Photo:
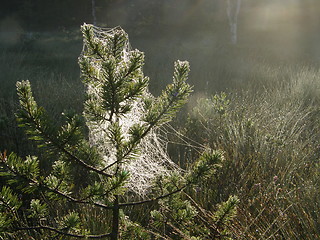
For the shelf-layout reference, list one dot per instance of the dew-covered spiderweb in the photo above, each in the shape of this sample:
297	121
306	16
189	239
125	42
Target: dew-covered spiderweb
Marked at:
152	159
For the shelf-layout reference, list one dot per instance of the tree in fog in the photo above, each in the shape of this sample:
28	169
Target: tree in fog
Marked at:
233	10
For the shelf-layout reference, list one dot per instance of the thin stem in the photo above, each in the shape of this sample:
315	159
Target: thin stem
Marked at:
152	199
62	233
115	219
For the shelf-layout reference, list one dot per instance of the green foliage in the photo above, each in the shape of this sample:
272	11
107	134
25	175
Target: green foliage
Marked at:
37	210
174	213
9	200
181	217
172	98
79	171
9	205
226	211
206	165
70	221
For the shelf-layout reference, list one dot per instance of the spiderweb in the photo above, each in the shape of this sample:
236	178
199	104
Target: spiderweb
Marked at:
152	159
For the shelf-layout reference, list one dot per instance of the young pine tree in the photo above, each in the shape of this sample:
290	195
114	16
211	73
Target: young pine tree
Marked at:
93	175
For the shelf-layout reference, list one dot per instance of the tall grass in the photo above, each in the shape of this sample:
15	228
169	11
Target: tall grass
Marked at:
270	136
54	74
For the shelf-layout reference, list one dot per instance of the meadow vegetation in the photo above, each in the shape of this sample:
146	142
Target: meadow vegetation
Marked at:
265	121
270	139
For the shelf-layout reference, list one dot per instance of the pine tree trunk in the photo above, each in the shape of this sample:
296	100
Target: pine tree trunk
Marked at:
115	219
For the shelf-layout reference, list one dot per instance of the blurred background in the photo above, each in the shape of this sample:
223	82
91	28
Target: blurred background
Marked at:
268	32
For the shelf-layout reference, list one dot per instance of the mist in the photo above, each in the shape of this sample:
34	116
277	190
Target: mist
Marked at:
223	40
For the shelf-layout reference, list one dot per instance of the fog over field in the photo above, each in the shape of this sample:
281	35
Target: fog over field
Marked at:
222	39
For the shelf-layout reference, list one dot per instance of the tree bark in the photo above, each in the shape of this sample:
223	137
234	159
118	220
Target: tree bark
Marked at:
115	219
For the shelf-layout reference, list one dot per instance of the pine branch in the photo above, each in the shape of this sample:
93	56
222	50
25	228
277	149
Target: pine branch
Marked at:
178	231
43	186
52	229
31	116
153	199
157	234
226	210
88	36
205	217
